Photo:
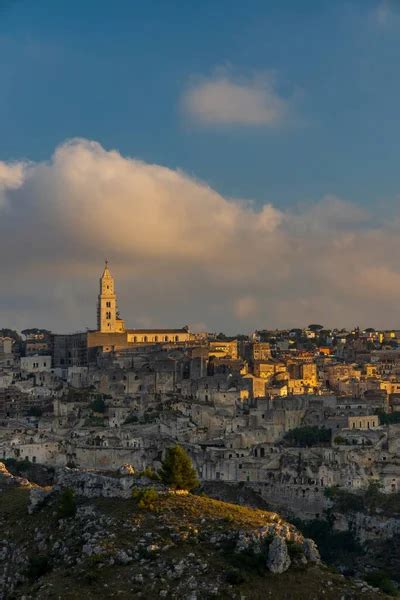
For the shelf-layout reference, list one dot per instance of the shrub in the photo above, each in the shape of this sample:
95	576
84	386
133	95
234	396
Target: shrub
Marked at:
332	545
370	500
177	470
308	436
340	440
388	418
67	504
98	405
38	566
247	561
17	467
381	580
294	549
234	577
146	498
150	473
345	501
35	411
131	419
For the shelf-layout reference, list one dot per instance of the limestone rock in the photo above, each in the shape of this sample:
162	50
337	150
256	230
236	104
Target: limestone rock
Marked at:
94	485
9	479
278	556
123	558
37	497
311	551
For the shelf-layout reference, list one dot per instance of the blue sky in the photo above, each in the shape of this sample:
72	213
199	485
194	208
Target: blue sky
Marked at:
116	72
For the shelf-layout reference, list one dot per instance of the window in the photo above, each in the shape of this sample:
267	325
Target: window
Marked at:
166	338
108	304
145	338
156	338
177	338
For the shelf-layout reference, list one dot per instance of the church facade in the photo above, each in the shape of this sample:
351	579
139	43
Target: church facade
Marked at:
111	333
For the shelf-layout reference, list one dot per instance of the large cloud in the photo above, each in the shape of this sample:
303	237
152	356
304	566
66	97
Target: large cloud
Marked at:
180	251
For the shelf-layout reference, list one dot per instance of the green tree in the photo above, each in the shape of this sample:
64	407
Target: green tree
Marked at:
177	470
308	435
98	405
67	504
35	411
315	327
388	418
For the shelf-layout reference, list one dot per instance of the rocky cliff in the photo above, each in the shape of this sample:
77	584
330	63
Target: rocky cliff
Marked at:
86	536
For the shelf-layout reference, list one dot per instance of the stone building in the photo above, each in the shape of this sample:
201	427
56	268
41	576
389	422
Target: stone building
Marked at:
111	333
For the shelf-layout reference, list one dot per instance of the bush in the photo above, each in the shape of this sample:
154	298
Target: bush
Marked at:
146	498
35	411
247	561
17	467
381	580
67	504
331	544
371	500
177	470
234	577
345	501
131	419
308	436
388	418
340	440
149	473
38	566
294	549
98	405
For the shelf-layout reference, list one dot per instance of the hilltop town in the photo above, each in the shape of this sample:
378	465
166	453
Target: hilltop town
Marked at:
299	418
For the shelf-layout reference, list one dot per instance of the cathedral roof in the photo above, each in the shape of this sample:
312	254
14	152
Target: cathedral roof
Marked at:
181	330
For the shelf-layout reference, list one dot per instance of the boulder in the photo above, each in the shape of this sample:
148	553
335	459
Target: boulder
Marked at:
38	497
311	551
278	556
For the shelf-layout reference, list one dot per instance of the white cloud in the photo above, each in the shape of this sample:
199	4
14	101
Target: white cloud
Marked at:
181	252
11	176
224	99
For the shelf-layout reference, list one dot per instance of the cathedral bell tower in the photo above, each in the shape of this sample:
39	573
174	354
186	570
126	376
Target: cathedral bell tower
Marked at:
108	320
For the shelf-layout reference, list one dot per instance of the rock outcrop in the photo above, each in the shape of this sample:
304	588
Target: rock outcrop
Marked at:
311	551
278	556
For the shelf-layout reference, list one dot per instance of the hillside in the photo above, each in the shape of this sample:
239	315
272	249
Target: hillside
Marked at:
167	546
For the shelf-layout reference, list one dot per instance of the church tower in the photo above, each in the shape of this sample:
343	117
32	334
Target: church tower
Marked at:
108	320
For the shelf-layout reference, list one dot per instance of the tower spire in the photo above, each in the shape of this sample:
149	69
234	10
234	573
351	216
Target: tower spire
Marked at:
108	320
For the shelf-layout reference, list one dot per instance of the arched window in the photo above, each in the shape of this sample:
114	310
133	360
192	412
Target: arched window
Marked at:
145	338
156	338
177	338
166	338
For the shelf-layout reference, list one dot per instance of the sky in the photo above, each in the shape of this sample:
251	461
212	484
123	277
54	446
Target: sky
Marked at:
237	163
